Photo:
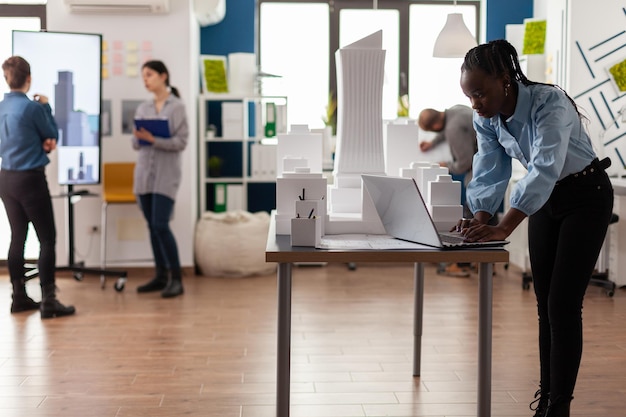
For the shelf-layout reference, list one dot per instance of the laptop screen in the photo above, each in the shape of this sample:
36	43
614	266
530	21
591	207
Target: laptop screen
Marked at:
401	209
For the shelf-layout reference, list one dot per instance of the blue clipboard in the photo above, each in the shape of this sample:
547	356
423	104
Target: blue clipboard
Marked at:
158	127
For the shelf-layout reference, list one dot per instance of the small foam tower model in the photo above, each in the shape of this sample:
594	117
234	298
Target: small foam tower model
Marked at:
300	185
444	197
441	194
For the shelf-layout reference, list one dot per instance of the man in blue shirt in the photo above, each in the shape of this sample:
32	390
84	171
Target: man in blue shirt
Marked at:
27	133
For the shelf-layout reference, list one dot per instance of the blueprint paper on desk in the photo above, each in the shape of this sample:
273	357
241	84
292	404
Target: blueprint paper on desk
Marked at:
366	241
158	127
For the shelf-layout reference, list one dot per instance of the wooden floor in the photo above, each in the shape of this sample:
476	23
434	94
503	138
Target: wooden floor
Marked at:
212	351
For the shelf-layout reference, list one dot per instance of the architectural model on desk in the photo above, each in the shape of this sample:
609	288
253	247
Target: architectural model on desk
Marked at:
298	191
344	206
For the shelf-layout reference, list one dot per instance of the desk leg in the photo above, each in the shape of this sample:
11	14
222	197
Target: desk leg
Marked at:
418	311
283	361
485	318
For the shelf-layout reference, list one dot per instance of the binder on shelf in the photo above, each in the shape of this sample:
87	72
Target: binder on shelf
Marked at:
232	120
270	120
255	160
220	198
234	197
281	118
269	162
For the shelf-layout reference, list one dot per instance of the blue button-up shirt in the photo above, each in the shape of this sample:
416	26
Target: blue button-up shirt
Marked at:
544	133
24	126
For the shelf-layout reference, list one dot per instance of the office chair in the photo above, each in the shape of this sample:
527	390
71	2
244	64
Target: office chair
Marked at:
117	188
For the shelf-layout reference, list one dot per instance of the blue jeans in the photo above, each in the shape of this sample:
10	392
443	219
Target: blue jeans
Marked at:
157	209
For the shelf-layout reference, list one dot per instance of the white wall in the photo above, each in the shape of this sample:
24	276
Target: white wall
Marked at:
174	39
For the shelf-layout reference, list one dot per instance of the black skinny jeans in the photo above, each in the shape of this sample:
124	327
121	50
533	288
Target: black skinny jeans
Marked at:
565	237
26	198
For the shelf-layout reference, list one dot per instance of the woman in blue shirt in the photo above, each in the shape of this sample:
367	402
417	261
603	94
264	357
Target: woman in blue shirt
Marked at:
566	195
158	173
27	133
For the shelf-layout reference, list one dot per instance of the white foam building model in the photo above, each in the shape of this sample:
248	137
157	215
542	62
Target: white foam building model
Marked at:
441	194
401	145
299	178
300	141
359	150
444	196
345	206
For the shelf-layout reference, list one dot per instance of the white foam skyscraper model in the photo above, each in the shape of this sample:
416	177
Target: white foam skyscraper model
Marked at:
360	76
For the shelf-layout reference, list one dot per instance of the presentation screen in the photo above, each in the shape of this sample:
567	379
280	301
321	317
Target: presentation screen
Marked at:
67	68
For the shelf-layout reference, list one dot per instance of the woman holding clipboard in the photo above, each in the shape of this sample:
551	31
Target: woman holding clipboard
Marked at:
158	173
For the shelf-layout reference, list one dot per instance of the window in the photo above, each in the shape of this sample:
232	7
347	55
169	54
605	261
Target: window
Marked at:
298	40
301	61
434	81
355	24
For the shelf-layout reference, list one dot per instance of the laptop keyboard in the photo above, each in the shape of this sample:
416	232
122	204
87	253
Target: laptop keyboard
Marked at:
451	239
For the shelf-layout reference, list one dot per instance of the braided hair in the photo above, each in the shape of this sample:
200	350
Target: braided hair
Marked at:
499	58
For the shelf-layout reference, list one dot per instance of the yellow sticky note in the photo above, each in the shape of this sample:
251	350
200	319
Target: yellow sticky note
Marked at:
132	59
105	73
105	45
131	71
105	59
131	46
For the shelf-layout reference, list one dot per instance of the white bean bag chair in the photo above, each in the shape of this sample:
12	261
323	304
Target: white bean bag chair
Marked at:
232	244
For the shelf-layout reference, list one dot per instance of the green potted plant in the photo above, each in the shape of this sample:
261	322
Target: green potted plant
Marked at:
215	166
403	106
330	117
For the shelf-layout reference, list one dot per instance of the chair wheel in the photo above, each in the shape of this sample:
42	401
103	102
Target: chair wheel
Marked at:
78	276
120	284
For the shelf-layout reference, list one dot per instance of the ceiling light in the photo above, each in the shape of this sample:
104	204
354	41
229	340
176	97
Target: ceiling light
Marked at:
455	38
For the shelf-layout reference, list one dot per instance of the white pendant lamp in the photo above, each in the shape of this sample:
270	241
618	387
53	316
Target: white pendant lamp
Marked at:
455	38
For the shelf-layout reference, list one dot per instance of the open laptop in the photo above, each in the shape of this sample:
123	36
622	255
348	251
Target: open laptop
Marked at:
405	216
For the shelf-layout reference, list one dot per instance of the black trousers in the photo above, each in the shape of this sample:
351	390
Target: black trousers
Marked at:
26	198
565	238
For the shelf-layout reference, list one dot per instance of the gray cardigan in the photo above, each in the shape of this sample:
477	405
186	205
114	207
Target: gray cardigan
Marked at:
158	168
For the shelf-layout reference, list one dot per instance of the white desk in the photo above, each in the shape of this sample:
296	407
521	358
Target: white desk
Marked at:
279	250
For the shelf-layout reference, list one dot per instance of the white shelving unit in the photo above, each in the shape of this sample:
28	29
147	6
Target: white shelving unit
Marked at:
233	149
